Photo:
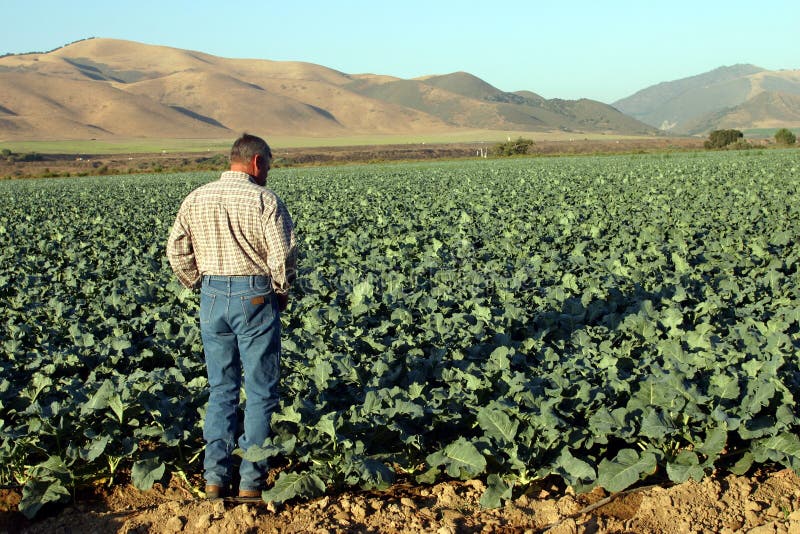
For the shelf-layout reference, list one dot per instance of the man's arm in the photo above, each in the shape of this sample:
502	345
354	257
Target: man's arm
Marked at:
180	254
282	250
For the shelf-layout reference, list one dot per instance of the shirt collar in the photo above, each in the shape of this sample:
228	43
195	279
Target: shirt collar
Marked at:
236	175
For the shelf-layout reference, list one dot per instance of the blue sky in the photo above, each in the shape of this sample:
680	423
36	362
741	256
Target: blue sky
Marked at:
604	50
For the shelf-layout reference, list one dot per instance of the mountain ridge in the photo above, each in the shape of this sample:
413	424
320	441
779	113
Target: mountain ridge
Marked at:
715	100
114	88
768	109
107	88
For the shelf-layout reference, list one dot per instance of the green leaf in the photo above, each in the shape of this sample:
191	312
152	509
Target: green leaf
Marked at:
99	401
742	466
698	339
672	319
404	407
291	485
37	493
603	422
686	465
483	313
95	449
671	348
361	292
715	442
87	340
359	309
723	386
429	476
777	448
655	424
625	470
374	475
115	403
681	265
269	450
653	391
289	413
497	424
574	470
120	343
497	490
461	460
146	472
759	394
321	373
327	425
499	358
54	464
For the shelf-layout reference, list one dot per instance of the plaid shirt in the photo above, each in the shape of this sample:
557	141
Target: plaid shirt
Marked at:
233	227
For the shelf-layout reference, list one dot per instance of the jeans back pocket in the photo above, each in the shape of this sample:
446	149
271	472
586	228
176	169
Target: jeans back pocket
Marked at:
258	309
207	301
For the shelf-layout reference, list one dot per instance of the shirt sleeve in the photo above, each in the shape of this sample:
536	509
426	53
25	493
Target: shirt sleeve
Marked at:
180	254
282	247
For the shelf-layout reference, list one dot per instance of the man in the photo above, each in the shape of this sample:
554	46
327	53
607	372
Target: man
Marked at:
234	240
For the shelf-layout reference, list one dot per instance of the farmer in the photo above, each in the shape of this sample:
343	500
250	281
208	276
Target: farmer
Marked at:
234	240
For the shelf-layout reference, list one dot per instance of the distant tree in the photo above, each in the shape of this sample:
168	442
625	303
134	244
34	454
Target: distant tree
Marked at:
722	138
513	148
785	136
29	156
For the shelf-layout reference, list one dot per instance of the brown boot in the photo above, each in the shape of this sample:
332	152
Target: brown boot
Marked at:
249	495
214	491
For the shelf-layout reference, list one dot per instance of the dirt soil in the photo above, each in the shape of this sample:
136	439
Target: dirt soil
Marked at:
766	503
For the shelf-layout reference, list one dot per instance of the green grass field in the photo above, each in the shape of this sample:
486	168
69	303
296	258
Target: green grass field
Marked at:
765	132
123	146
143	146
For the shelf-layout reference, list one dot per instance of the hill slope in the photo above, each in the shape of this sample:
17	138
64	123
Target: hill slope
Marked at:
703	102
770	109
113	88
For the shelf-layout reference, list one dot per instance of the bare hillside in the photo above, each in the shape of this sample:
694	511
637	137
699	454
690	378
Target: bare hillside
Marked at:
105	88
768	109
727	97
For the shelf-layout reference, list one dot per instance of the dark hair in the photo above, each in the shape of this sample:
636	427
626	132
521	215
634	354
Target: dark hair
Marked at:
248	146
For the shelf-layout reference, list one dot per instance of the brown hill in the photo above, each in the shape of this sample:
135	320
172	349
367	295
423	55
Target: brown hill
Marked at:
704	102
111	88
463	100
38	105
768	109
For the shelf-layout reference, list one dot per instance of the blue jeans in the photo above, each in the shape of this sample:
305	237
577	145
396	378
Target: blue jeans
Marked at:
241	331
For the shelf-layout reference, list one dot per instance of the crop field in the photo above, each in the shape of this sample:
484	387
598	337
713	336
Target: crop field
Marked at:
608	320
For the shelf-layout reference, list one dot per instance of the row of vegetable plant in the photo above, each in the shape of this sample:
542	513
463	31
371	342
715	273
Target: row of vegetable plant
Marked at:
604	319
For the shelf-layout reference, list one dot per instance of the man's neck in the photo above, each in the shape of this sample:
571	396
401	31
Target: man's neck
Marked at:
240	167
